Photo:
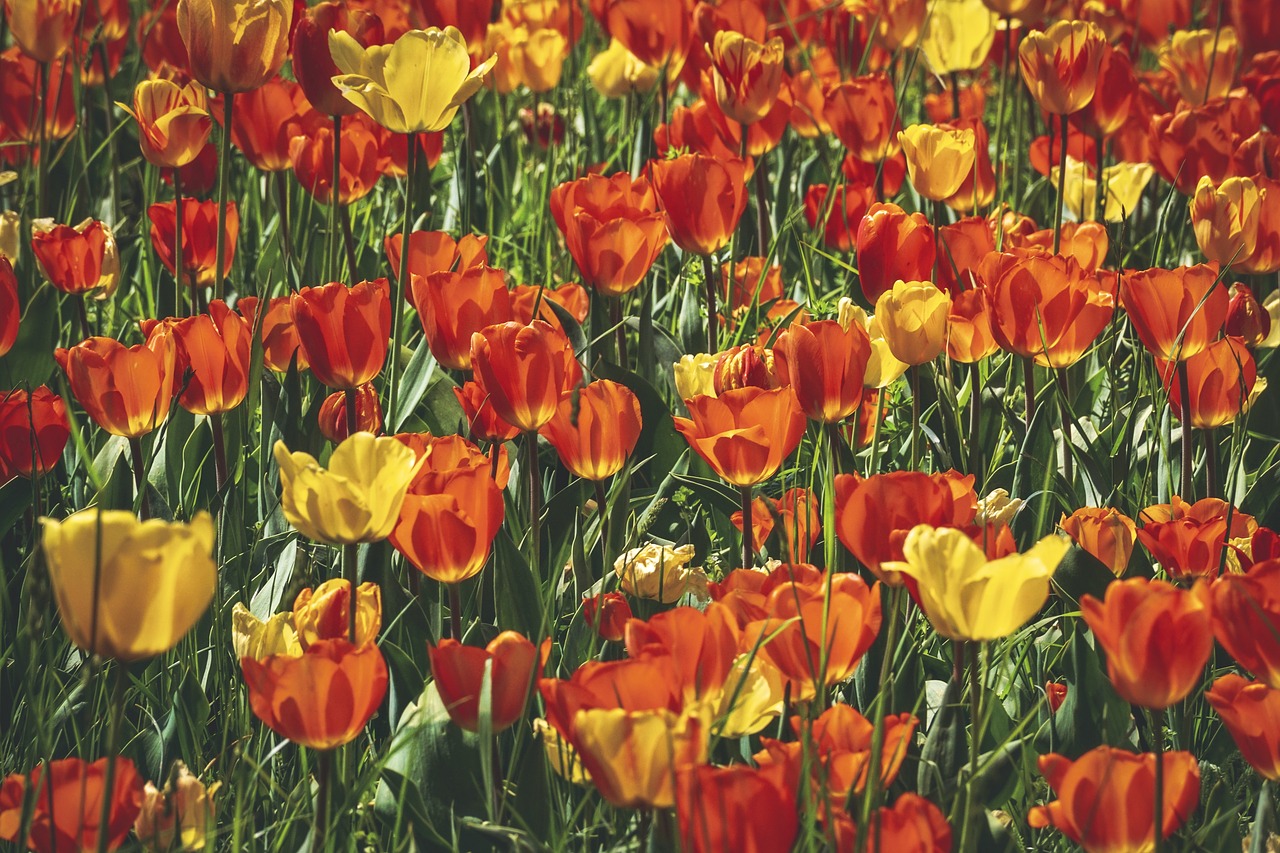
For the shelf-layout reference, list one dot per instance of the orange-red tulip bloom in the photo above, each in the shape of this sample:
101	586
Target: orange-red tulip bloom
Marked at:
279	338
1246	619
862	113
483	421
66	798
1251	712
10	306
655	31
524	368
126	390
702	199
199	238
1220	379
33	432
843	212
745	434
1106	534
313	64
215	348
312	159
453	306
825	364
447	534
1187	539
893	246
459	673
595	428
1176	313
738	807
612	228
437	251
344	330
608	613
72	258
267	119
911	825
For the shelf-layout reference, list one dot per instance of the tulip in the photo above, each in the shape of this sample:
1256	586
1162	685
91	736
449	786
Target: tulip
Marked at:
1106	798
702	198
1220	379
1060	65
453	306
533	58
215	348
702	644
1188	540
182	814
1246	619
660	573
1251	712
311	156
745	434
801	524
319	699
655	31
634	757
129	589
913	317
280	344
612	228
437	251
825	364
314	67
747	75
735	808
470	19
1225	219
1246	318
1265	257
199	238
235	48
1176	313
266	120
483	421
333	414
390	84
10	305
754	696
911	825
460	672
1106	534
1156	637
72	259
616	72
892	246
173	121
325	613
745	366
958	36
1198	141
608	613
126	390
66	799
968	597
447	534
1192	56
42	28
595	428
938	160
524	369
863	115
356	499
844	212
20	98
343	331
33	432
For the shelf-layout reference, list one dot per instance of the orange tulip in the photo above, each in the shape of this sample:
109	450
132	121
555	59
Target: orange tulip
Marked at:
702	645
1044	306
841	739
215	348
333	414
470	18
1246	619
863	115
33	432
801	525
267	119
695	129
313	64
963	244
608	613
322	698
1176	313
235	48
446	534
825	364
1220	379
702	198
280	345
72	259
655	31
443	455
312	159
460	671
483	421
1187	539
1060	65
612	228
911	825
744	366
437	251
844	212
1251	712
1106	534
344	330
1196	142
1265	257
1225	219
173	121
1106	798
42	28
455	305
20	98
745	434
571	297
636	684
1157	638
749	282
969	335
199	238
595	428
524	369
892	246
736	808
127	390
66	800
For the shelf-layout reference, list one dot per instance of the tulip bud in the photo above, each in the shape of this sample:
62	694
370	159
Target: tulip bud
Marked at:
746	365
1055	693
938	160
913	317
1246	319
607	613
695	375
235	47
333	414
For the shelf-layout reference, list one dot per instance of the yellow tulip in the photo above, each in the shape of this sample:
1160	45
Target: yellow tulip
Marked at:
1191	56
660	573
152	580
560	755
753	695
1225	218
357	499
938	160
322	612
616	72
1123	185
11	235
958	35
533	59
633	757
912	316
235	47
695	375
968	597
415	84
253	638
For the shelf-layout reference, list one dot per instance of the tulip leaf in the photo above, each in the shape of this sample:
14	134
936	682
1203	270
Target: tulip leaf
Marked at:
414	383
712	492
1080	574
1033	477
945	748
572	328
519	594
30	362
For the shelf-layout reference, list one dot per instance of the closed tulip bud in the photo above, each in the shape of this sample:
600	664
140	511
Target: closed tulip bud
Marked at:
356	499
1055	694
344	331
1157	638
747	75
735	808
612	228
333	414
702	198
826	365
938	160
892	246
1120	785
595	428
215	348
448	533
235	48
482	421
745	434
616	72
913	317
126	390
1060	65
958	36
180	817
71	258
325	612
66	800
128	589
660	573
33	432
1246	319
864	117
524	369
266	120
453	306
460	673
1251	712
695	375
313	65
1106	534
608	613
42	28
1192	56
1176	313
390	84
634	757
1225	219
173	121
968	597
1220	379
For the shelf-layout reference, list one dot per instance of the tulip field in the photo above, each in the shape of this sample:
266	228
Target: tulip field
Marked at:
640	425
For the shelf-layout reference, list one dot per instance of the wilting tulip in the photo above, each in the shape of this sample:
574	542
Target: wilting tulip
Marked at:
322	698
524	369
356	499
235	48
608	613
215	348
453	306
180	817
747	75
199	238
129	589
266	120
892	246
736	808
1060	65
173	121
702	198
595	428
1251	712
745	434
333	414
344	331
913	318
1176	313
612	228
968	597
447	534
313	66
911	825
863	116
1106	534
1220	379
126	390
634	757
825	364
1157	639
390	84
1106	798
460	671
1191	56
72	259
33	432
938	160
1246	619
66	798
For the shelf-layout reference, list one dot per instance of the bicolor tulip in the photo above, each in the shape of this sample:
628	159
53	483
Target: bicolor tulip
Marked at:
524	368
595	428
173	121
1060	65
235	47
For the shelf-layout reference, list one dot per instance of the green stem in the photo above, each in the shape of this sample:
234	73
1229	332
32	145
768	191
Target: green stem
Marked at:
320	831
535	500
402	283
1029	380
140	477
968	841
351	571
224	168
113	747
709	294
334	196
975	423
915	417
219	451
748	557
1062	187
179	297
871	799
455	611
1157	741
1188	434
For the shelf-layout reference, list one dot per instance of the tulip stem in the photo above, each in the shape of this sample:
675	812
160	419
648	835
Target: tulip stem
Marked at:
224	167
179	302
1188	437
1062	188
42	170
1157	742
113	747
82	312
870	800
1210	465
286	234
219	451
975	745
709	290
602	514
1000	113
915	417
619	329
351	571
455	611
402	282
334	197
975	423
762	206
535	499
349	410
320	832
140	477
1029	380
748	557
